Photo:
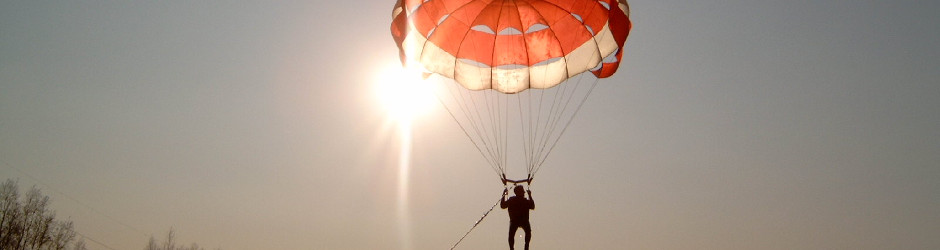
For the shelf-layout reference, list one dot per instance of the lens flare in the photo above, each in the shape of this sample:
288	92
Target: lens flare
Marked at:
403	93
404	167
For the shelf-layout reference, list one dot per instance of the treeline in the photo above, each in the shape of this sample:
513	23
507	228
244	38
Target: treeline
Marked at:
27	223
170	244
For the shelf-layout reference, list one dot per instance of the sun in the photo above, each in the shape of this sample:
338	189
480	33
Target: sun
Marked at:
403	93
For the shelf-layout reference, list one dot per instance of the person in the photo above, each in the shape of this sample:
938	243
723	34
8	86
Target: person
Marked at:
519	208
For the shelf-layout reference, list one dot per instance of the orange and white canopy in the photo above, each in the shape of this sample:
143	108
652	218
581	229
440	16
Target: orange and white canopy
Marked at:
511	45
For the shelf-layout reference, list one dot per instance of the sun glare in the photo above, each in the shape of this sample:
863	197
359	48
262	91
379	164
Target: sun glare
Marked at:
403	93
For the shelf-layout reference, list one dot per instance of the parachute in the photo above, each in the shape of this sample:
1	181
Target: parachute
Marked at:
514	69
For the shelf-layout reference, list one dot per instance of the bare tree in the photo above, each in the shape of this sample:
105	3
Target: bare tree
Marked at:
152	244
9	214
61	234
29	224
170	243
37	220
79	245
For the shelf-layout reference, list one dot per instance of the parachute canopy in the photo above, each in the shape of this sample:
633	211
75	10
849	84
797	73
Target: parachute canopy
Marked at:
511	45
515	63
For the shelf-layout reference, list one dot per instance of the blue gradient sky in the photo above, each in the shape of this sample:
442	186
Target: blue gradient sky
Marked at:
253	125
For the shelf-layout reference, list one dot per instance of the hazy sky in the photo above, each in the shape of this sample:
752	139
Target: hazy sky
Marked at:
751	124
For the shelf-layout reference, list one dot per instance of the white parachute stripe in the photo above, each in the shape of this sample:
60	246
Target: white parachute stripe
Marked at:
583	58
472	75
605	41
623	7
397	11
511	66
432	58
510	79
547	74
437	60
413	44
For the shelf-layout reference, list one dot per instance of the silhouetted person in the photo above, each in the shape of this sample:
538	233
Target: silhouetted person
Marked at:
519	208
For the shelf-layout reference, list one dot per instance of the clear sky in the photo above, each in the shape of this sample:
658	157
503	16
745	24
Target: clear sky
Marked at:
751	124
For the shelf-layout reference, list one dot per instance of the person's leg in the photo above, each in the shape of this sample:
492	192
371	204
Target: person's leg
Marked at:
512	234
528	234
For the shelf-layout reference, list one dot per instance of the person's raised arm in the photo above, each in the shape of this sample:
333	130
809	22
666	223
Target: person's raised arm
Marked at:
502	202
531	201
